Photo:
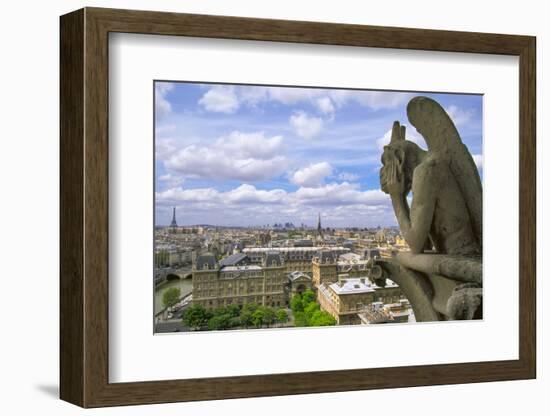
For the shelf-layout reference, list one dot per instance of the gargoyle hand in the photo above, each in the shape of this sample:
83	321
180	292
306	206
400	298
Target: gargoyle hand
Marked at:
392	180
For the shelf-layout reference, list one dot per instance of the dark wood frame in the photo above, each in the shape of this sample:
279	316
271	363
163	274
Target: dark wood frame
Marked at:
84	207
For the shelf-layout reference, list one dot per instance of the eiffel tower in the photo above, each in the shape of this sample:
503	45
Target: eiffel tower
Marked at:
174	224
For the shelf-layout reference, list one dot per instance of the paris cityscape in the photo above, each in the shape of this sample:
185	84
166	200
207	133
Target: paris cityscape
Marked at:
276	276
268	208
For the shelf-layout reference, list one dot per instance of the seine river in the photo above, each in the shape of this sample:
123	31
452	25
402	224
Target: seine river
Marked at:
185	286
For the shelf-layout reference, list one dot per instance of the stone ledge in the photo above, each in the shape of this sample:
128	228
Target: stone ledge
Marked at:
461	268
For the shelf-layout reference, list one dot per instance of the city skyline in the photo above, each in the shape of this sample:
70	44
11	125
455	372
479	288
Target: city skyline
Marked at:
233	155
280	224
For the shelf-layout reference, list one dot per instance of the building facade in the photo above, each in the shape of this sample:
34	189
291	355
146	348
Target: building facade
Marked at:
298	283
294	258
219	285
323	268
346	299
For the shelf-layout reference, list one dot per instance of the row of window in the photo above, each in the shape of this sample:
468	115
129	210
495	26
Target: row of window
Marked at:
241	301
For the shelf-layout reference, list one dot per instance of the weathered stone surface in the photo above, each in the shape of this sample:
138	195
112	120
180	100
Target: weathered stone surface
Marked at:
465	302
434	124
461	268
416	288
443	225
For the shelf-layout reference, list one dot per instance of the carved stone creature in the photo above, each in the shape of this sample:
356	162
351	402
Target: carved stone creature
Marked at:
465	302
443	212
443	225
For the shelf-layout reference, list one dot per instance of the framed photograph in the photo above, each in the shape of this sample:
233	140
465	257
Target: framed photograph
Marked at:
254	207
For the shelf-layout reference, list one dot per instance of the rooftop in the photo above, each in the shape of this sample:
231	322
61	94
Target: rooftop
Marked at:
297	275
240	268
264	249
352	286
349	257
233	259
206	259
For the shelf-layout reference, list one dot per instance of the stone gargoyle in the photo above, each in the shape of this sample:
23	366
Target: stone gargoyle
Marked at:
441	275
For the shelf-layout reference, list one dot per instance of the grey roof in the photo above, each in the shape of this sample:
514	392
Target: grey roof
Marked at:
352	286
235	260
206	259
326	256
349	257
272	257
293	276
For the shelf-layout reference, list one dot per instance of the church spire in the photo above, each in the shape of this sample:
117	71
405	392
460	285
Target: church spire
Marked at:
174	223
319	228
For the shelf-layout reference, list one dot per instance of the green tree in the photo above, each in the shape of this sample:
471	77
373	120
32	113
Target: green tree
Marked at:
322	318
233	310
246	318
300	319
196	317
250	307
219	311
281	315
246	314
258	318
308	297
310	309
296	303
234	322
171	296
269	316
219	321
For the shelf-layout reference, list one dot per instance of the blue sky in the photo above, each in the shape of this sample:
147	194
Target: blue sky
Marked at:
254	155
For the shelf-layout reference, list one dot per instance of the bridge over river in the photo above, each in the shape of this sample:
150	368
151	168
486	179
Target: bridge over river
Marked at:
185	285
165	274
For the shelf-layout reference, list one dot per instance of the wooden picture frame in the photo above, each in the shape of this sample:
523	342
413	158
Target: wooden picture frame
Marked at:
84	207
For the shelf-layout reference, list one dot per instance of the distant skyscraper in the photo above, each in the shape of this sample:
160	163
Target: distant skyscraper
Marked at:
174	223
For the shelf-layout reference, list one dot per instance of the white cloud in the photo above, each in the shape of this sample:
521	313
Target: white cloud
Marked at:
244	194
162	105
459	115
252	96
348	176
171	180
163	129
239	156
324	104
341	204
188	195
249	194
334	194
227	99
165	147
250	145
375	100
325	99
343	193
305	126
220	99
290	95
478	160
312	175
